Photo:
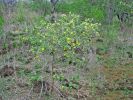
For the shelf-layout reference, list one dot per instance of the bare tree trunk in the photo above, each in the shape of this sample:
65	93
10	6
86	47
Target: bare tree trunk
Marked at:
53	16
110	11
53	11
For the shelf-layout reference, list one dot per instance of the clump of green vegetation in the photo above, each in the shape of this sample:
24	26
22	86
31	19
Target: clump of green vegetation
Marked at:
65	36
1	21
66	41
41	6
77	7
97	13
1	24
84	8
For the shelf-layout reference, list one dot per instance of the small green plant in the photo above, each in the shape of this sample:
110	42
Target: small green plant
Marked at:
97	13
1	24
72	83
1	21
20	17
5	45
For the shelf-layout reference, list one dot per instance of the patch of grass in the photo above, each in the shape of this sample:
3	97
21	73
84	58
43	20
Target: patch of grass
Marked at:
1	21
77	7
41	6
1	24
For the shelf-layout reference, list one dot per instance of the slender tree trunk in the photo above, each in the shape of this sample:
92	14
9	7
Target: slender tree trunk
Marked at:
53	13
110	11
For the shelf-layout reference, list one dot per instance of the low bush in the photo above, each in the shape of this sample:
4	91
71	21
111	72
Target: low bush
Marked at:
65	36
67	40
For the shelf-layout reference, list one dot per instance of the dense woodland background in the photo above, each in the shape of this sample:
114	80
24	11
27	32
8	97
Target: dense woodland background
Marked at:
66	49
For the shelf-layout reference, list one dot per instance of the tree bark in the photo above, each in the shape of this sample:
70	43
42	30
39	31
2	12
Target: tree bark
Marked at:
110	11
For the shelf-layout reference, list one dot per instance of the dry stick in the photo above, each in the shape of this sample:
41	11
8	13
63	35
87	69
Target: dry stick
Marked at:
58	91
41	87
29	94
53	60
41	90
14	67
55	88
3	55
43	66
52	85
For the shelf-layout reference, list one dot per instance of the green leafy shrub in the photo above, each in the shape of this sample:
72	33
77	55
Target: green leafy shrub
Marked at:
67	40
65	36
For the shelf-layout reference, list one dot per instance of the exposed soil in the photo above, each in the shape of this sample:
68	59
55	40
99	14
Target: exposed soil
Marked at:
1	98
7	71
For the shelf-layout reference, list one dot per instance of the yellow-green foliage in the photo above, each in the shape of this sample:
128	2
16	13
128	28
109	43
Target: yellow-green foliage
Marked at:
64	36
